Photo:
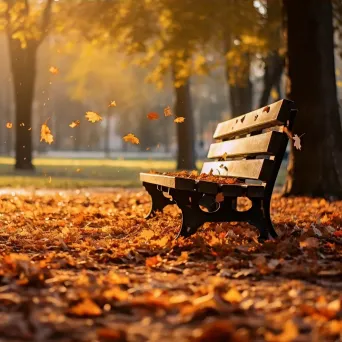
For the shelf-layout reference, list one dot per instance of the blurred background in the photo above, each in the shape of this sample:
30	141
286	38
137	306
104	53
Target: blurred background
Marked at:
225	58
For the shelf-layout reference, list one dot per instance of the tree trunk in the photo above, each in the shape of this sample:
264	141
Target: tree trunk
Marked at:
23	64
274	66
316	170
186	157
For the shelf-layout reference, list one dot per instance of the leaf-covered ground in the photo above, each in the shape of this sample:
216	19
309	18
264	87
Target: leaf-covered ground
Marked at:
83	266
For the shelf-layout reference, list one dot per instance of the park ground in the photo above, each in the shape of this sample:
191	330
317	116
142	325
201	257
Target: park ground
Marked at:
86	266
70	173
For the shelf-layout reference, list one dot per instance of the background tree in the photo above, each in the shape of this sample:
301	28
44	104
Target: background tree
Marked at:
316	170
26	25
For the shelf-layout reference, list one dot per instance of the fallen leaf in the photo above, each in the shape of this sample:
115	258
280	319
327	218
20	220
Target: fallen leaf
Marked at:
296	143
53	70
75	124
267	109
153	261
167	111
153	116
179	119
131	138
232	296
93	117
9	125
112	104
45	133
310	242
290	332
111	334
86	308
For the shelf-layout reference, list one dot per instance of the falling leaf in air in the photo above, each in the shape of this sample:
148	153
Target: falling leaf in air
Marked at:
93	117
112	104
267	109
179	119
45	133
296	143
75	124
153	116
53	70
167	111
9	125
223	157
131	138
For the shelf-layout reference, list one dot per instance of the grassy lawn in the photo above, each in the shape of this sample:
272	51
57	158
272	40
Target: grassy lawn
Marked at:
83	173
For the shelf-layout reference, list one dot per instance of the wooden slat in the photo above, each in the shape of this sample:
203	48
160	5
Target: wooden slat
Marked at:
275	114
252	169
267	143
168	181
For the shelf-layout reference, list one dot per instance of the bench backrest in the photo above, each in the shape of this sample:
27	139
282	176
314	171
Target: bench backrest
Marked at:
252	146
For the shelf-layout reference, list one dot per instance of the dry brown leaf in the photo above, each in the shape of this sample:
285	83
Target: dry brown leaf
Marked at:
75	124
9	125
53	70
296	143
93	117
86	308
131	138
179	119
310	242
168	111
153	116
45	133
112	104
112	335
290	332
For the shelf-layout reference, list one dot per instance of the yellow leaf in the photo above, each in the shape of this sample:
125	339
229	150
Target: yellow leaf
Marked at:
86	308
179	119
131	138
153	116
167	111
75	124
45	134
9	125
112	104
339	84
274	94
232	296
93	117
53	70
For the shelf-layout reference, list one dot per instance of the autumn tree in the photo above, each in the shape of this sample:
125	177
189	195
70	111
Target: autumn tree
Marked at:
26	24
316	170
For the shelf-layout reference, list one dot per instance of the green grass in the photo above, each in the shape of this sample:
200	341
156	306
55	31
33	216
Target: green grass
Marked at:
84	173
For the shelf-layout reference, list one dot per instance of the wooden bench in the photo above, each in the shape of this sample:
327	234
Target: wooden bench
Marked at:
250	148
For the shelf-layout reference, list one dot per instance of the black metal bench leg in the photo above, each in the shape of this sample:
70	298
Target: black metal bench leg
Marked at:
159	201
267	215
191	221
261	219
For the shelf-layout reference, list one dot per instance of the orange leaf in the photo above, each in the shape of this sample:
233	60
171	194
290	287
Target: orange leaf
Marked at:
112	104
53	70
9	125
93	117
153	261
75	124
167	111
232	296
153	116
86	308
131	138
45	133
180	119
296	143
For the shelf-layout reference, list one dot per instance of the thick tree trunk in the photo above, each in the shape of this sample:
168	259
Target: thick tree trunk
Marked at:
316	170
186	158
274	66
23	64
